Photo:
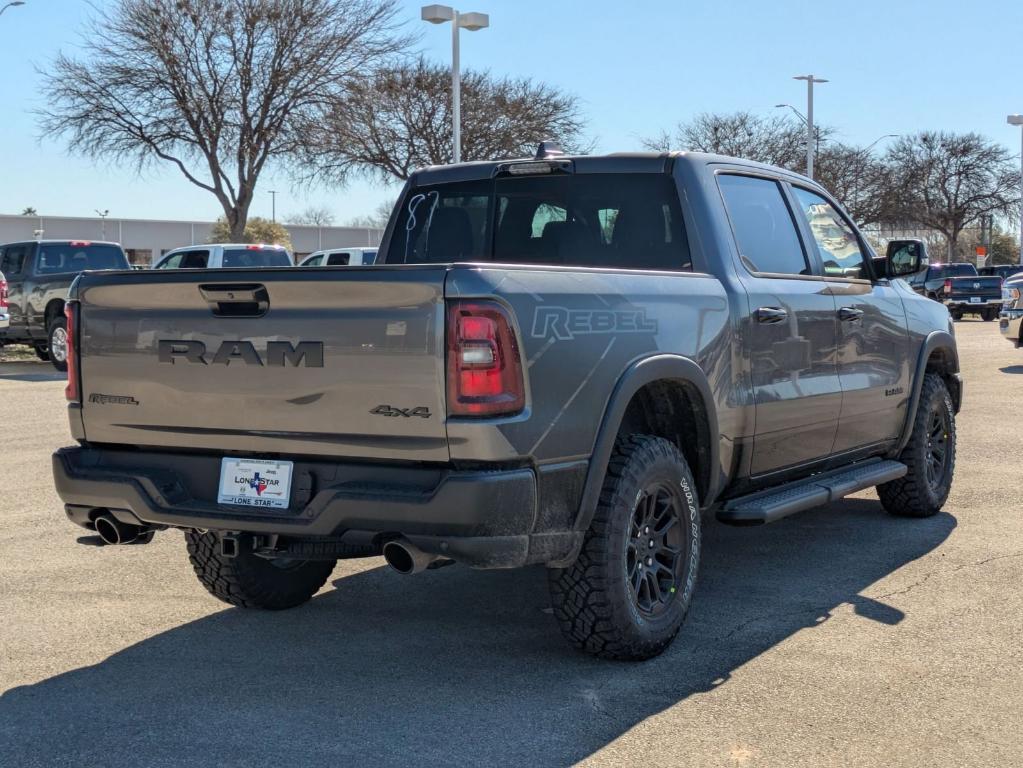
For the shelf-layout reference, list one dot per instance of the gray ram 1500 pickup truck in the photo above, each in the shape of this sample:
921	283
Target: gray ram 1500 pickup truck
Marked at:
560	361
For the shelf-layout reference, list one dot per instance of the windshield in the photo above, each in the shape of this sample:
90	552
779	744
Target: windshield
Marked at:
57	258
623	220
256	257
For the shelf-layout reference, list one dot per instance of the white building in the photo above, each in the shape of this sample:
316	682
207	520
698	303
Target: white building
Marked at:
145	240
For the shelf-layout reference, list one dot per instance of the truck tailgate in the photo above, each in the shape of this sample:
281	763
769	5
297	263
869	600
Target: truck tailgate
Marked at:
340	362
984	287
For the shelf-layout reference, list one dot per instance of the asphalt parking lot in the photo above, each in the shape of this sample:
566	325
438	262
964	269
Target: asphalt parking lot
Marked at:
838	637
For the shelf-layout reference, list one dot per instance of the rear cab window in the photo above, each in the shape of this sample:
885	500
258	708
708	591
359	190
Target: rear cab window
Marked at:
78	256
255	256
613	220
952	270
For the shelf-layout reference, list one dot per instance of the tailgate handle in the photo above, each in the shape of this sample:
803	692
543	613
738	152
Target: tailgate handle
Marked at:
236	299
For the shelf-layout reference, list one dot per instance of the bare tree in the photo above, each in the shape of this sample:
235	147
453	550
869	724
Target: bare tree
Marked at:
947	181
376	220
773	140
29	211
399	120
857	178
216	88
313	217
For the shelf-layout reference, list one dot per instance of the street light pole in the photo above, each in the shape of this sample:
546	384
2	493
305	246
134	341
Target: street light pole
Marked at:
1018	120
438	14
103	222
12	4
273	205
810	80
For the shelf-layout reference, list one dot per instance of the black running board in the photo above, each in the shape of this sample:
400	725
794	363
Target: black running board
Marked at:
776	503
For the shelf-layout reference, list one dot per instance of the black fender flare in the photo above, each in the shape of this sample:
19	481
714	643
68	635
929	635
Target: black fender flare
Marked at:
935	340
638	375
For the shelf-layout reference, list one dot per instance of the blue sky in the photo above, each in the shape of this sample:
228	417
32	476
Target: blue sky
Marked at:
895	67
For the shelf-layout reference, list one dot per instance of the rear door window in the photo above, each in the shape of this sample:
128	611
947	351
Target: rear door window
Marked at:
339	259
764	230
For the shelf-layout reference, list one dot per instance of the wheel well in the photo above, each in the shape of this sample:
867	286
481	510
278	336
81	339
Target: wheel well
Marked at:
53	310
942	362
674	409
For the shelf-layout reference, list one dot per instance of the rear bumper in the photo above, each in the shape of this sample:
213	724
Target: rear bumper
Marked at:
965	303
1009	322
482	518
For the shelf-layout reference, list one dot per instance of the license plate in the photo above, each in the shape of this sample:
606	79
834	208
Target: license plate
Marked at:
255	483
975	299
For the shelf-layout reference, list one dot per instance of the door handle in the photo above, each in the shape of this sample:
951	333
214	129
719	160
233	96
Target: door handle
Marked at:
769	315
849	314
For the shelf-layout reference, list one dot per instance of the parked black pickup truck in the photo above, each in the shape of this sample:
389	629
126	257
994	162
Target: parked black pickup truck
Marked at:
39	273
960	288
561	361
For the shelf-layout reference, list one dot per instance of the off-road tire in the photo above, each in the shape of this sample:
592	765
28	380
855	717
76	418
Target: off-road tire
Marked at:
914	494
250	581
42	352
594	599
988	315
57	326
956	314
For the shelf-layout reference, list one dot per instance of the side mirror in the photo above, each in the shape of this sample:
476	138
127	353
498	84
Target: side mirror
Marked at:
905	257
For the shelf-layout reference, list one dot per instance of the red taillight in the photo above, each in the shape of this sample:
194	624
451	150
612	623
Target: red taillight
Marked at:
71	391
80	243
484	366
948	286
3	294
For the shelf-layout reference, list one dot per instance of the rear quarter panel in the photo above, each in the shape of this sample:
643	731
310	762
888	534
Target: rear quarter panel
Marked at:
579	331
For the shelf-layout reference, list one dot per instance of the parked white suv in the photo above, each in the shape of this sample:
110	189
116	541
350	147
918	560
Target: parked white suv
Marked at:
225	256
341	257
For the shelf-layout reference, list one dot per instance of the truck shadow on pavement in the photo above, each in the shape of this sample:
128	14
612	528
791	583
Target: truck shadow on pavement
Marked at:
30	371
451	666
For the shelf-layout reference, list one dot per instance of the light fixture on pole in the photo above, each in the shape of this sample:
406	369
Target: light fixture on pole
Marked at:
810	80
1018	121
872	144
439	14
103	219
12	4
800	115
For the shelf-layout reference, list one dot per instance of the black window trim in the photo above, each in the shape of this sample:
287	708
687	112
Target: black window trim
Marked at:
812	259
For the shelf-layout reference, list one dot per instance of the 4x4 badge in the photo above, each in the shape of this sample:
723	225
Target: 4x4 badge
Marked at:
389	410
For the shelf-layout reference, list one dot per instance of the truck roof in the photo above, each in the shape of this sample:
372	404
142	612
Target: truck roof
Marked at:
616	162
